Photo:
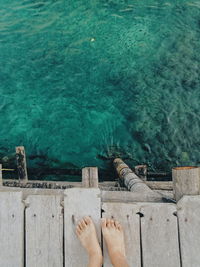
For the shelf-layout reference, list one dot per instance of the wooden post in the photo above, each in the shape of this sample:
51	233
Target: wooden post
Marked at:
129	178
1	177
186	181
90	177
21	163
141	171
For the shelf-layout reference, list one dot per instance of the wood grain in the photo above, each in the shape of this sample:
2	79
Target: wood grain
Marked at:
44	231
90	177
1	178
186	181
78	203
189	228
159	233
21	163
11	229
127	215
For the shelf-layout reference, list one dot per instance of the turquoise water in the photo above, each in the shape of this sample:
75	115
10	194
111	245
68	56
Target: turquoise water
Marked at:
85	81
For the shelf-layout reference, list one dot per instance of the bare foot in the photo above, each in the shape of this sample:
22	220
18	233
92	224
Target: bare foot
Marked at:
86	233
114	237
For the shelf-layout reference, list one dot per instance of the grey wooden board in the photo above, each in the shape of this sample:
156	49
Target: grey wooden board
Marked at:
11	229
1	182
186	181
189	228
94	177
85	177
106	196
127	196
126	215
159	234
78	203
90	177
44	231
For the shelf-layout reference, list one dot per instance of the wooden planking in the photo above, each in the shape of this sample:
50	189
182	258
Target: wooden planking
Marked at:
127	215
189	229
79	202
85	177
168	185
126	196
159	233
11	229
90	177
44	231
94	180
1	178
186	181
21	163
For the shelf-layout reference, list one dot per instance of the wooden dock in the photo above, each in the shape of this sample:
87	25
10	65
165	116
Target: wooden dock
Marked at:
40	230
37	223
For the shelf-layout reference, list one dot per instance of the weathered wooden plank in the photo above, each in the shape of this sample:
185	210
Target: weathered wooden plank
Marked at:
168	185
189	229
90	177
1	181
186	181
40	184
85	177
11	229
44	231
126	196
165	186
159	234
166	194
94	180
33	191
21	163
127	215
106	196
78	203
51	184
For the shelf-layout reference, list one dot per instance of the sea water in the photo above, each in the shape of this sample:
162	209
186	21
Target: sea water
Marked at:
84	81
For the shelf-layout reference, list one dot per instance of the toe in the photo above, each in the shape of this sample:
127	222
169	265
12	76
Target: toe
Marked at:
78	231
87	220
103	222
79	225
117	224
108	224
83	224
112	223
120	227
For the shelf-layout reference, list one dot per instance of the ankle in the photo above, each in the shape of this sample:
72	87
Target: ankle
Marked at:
118	259
95	258
95	255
